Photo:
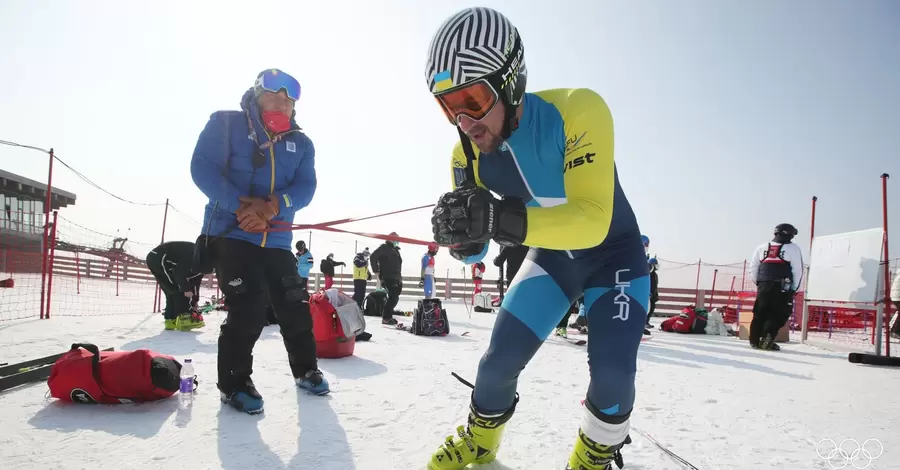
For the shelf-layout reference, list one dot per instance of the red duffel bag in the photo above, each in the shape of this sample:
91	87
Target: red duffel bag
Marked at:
87	375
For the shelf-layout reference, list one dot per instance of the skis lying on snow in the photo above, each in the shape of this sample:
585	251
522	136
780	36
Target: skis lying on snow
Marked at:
34	370
665	450
873	360
406	328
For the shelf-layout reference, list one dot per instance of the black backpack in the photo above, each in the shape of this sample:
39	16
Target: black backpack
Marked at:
373	305
430	319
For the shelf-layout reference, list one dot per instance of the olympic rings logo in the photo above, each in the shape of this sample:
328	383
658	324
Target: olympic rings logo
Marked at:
839	456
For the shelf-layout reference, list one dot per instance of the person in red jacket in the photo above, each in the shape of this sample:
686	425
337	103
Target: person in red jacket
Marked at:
477	275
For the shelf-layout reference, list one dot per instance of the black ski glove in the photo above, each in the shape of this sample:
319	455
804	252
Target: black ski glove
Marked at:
475	216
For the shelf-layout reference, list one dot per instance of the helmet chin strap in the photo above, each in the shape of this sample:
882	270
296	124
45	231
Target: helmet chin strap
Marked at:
511	123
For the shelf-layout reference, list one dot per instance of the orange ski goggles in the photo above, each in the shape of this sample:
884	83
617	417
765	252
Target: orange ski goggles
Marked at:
474	101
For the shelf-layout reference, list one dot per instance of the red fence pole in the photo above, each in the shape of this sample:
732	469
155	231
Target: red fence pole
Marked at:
887	268
50	265
44	247
712	294
157	295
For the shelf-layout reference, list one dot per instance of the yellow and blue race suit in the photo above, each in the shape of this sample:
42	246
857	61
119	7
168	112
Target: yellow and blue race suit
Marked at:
584	240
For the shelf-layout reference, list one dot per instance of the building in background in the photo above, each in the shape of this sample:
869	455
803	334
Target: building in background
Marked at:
22	215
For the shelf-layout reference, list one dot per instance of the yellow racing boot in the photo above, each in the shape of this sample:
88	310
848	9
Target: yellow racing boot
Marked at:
189	321
475	444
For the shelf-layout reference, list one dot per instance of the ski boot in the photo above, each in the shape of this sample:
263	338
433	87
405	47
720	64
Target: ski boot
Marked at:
768	344
389	321
476	444
244	397
171	324
589	455
562	331
314	382
189	321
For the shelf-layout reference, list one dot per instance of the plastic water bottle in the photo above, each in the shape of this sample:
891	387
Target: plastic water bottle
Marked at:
187	377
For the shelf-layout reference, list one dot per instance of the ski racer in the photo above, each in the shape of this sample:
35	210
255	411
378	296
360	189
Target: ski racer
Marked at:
549	155
256	166
304	263
477	276
427	281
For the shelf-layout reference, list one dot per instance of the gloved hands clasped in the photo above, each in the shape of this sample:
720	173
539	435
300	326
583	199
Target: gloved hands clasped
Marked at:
470	217
255	213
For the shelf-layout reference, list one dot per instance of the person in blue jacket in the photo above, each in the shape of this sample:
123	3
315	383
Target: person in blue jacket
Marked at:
304	263
257	167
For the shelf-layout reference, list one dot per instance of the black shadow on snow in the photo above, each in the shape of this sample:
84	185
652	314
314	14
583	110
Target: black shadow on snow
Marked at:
142	420
173	343
730	341
717	360
742	352
323	442
651	356
352	367
239	442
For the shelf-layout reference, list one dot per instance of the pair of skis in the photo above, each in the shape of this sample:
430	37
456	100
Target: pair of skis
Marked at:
34	370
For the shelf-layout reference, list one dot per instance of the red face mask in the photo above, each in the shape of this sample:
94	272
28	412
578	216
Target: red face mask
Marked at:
276	122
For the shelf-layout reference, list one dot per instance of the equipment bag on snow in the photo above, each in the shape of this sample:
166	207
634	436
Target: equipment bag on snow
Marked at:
335	316
430	319
373	305
482	302
87	375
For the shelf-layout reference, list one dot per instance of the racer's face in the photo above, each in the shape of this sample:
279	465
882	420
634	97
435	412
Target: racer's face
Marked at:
278	102
486	132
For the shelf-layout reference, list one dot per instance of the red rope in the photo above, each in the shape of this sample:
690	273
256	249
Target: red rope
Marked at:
329	227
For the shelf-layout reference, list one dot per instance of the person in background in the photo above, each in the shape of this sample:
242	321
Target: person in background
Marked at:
171	264
387	263
327	267
895	301
361	276
427	280
654	288
257	167
562	328
512	256
304	263
776	268
477	277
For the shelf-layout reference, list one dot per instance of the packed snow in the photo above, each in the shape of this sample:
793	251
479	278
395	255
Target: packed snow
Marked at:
711	400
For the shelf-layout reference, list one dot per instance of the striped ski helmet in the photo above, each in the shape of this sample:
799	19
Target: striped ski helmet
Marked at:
477	44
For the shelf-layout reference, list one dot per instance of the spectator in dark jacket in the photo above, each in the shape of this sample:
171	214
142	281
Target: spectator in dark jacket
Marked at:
171	263
327	267
257	166
386	264
512	256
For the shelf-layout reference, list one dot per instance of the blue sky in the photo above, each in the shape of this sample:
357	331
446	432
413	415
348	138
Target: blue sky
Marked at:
730	115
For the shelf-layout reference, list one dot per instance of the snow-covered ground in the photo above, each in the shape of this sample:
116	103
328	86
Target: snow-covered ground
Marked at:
712	400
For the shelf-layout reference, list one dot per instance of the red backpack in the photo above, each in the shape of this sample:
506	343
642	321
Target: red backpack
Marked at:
87	375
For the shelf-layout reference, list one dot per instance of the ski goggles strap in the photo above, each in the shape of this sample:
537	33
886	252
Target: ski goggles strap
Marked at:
274	80
474	101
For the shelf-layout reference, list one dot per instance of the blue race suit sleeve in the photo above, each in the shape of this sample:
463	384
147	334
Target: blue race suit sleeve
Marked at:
303	186
208	164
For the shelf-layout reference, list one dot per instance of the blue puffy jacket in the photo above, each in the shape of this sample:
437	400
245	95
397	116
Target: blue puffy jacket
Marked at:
304	263
288	171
